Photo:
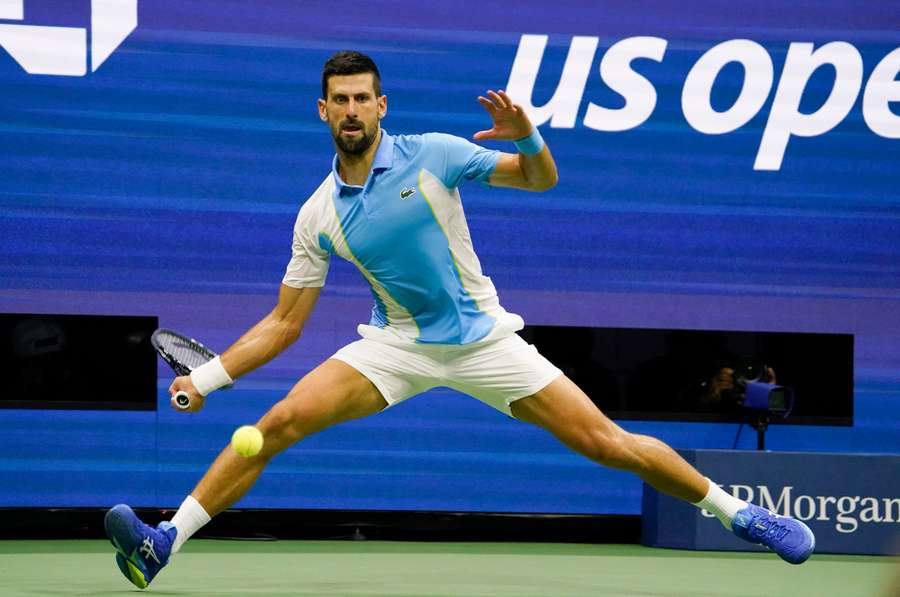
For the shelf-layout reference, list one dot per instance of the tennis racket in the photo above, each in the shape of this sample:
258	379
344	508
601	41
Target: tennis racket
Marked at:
183	355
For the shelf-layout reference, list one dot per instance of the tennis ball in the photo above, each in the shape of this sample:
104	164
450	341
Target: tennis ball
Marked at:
247	441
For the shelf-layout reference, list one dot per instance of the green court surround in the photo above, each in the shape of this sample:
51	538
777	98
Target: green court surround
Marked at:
431	569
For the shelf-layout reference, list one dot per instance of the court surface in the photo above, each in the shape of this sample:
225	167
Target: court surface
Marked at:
411	569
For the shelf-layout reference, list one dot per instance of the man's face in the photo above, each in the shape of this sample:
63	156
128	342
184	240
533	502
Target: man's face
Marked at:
352	111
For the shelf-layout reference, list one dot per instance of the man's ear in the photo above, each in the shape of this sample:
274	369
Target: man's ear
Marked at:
323	113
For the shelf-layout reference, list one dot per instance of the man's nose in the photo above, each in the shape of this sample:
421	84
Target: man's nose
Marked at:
351	107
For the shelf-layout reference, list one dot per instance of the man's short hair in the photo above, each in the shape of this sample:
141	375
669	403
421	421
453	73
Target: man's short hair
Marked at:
348	62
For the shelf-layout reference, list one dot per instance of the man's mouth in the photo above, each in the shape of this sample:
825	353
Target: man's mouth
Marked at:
351	129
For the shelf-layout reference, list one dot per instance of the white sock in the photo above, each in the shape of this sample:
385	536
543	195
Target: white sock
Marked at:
188	520
720	503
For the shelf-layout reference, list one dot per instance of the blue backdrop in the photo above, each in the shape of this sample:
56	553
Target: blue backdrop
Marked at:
166	183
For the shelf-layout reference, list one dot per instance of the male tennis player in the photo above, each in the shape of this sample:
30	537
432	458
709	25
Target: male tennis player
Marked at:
391	206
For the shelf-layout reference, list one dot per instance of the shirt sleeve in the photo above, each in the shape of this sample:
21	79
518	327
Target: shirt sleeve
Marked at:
308	266
465	160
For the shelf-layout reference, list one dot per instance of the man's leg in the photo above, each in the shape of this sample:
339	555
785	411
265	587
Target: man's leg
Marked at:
565	411
332	393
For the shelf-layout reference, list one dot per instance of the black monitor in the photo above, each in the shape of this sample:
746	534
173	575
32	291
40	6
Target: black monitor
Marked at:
694	375
77	361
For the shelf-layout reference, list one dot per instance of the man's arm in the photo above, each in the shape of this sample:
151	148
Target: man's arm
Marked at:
274	333
261	343
527	171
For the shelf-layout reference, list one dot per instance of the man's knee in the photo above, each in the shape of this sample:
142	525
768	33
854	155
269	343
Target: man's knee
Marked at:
613	448
303	412
282	426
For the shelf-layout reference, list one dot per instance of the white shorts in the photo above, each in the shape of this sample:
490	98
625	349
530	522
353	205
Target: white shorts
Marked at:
497	372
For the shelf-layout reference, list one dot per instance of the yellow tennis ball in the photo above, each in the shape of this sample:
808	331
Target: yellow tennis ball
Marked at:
247	441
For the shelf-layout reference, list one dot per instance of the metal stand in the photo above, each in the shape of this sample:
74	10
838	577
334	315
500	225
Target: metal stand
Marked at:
760	422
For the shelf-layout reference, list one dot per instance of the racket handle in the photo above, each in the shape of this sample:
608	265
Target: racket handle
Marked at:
182	401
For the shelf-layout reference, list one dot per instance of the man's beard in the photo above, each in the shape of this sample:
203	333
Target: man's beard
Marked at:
357	145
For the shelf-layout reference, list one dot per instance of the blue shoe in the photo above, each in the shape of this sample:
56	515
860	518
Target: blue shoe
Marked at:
788	537
142	550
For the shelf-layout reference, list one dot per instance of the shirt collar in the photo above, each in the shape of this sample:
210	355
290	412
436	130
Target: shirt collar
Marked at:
384	160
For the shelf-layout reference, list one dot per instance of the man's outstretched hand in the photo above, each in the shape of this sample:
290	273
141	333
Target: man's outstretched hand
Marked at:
510	121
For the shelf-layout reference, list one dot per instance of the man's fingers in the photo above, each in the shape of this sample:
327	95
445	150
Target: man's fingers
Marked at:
499	101
488	104
504	113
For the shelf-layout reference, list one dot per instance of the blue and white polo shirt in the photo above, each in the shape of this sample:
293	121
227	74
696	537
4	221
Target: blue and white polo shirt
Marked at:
406	232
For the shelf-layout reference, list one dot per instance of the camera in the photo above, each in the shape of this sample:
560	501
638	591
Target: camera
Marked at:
754	391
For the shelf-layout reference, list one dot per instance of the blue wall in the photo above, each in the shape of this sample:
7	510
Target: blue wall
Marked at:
166	183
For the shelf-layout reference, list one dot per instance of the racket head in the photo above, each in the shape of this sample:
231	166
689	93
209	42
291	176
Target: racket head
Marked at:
183	354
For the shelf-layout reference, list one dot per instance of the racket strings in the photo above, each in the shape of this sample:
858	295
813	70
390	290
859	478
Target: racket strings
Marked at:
185	352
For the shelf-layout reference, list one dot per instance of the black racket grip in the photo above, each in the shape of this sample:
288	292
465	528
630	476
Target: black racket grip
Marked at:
182	401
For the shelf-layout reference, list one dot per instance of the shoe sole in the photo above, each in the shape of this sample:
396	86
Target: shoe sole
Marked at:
131	572
117	524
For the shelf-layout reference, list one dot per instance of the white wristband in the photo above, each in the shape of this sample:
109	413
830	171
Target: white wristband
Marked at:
210	376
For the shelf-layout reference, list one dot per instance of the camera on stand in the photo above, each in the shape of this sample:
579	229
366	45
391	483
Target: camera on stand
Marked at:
762	399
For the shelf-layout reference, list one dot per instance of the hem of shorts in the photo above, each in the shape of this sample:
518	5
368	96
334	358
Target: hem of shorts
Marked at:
391	401
534	389
301	285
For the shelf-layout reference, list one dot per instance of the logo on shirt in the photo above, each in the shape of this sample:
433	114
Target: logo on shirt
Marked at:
407	193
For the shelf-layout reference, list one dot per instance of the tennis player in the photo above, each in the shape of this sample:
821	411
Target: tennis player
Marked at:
391	206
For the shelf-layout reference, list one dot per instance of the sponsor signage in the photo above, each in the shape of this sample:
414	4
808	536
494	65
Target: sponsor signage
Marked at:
850	501
785	118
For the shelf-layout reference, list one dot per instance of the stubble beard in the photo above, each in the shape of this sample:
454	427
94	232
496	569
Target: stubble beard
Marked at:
355	146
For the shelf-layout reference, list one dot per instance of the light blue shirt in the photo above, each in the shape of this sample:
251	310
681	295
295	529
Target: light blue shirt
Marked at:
406	232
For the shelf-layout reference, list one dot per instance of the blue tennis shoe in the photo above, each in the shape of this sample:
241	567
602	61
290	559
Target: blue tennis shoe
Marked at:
792	540
142	551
